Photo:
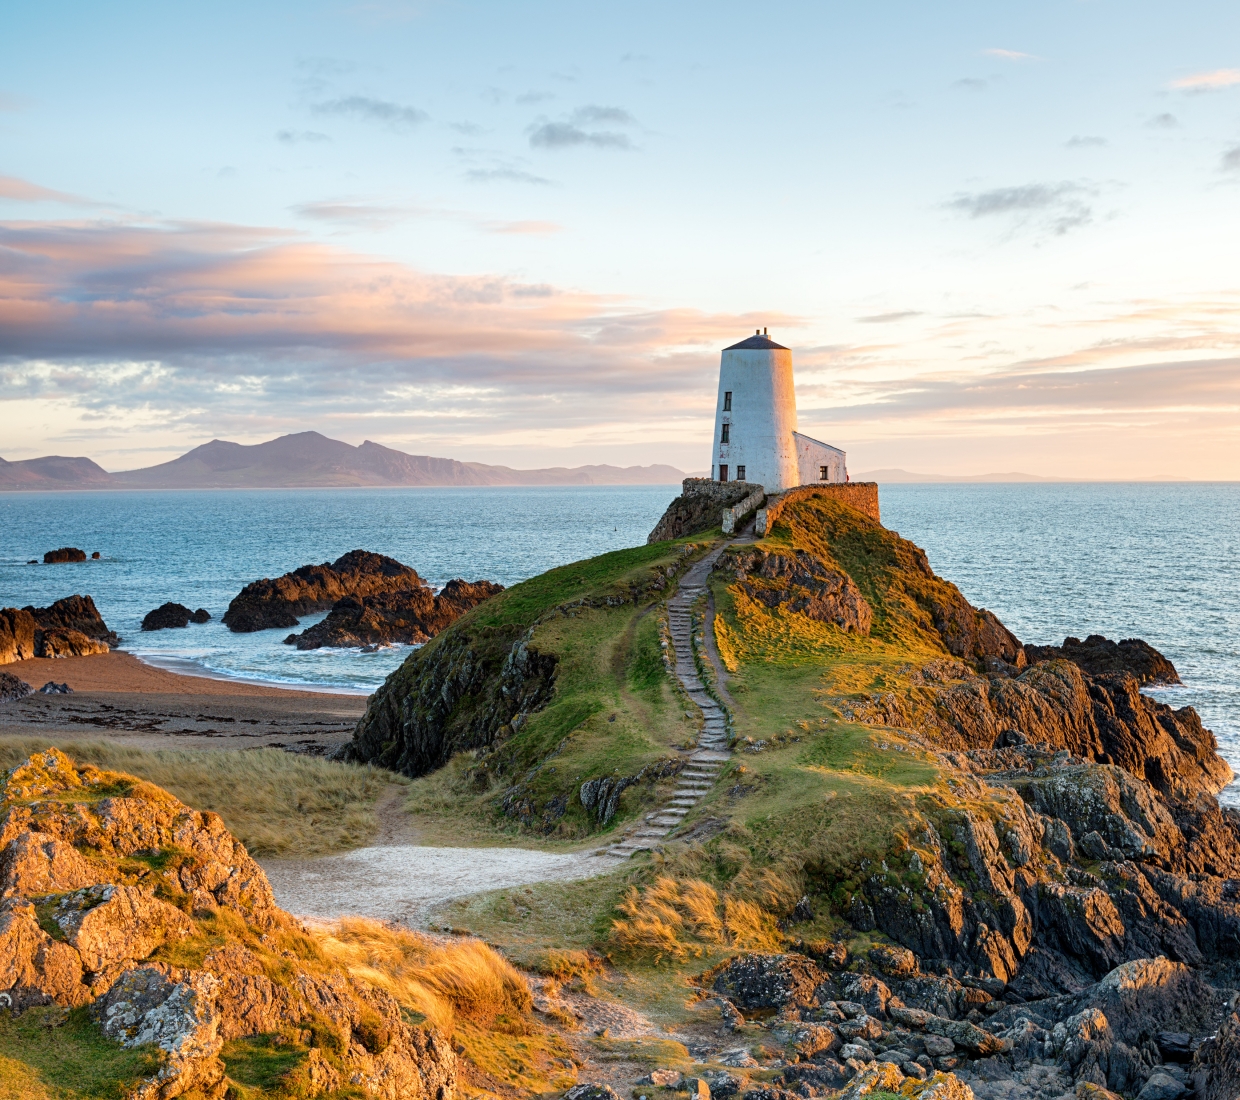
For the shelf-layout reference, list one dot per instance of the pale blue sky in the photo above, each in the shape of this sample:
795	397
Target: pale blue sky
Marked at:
995	237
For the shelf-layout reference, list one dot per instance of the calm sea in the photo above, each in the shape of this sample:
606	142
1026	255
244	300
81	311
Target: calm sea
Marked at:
1158	562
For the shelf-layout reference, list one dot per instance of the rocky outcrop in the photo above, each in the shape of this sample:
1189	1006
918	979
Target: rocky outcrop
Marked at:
75	613
174	615
1216	1064
13	687
799	583
1098	656
17	635
409	616
65	553
271	603
71	627
699	507
107	882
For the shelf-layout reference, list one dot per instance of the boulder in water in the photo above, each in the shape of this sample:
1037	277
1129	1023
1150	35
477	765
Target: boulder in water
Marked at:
170	615
270	603
65	553
408	617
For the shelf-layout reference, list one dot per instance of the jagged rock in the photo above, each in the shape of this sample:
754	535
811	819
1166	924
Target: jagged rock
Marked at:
169	616
859	1028
34	968
1161	1086
895	962
11	687
74	613
699	507
109	925
881	1077
271	603
1216	1065
799	583
960	1032
868	991
722	1083
826	1073
1098	655
64	554
591	1092
808	1040
768	981
35	863
941	1086
59	642
53	688
17	635
408	616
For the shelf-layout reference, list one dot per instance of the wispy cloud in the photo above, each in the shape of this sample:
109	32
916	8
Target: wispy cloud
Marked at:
971	84
369	216
1164	121
530	98
564	135
509	175
1058	207
1212	81
19	190
578	130
1231	159
294	137
890	318
1011	55
395	115
1085	142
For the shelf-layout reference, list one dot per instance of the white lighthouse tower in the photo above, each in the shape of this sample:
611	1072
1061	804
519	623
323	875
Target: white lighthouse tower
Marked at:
756	438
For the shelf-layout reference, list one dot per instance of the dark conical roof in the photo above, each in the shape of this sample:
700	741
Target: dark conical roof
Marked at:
757	343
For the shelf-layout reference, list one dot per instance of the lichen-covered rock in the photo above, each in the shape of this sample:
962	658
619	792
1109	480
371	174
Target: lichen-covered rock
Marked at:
146	1006
938	1086
881	1077
895	962
768	981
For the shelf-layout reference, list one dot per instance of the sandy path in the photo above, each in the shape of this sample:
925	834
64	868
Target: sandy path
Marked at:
404	882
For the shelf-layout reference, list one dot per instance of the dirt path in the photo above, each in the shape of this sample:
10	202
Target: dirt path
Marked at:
404	882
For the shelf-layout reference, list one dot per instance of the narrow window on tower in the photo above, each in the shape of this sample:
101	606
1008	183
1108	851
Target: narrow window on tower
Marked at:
740	473
727	401
824	473
724	438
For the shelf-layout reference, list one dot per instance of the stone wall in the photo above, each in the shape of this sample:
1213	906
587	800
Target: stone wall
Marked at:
734	515
700	506
862	495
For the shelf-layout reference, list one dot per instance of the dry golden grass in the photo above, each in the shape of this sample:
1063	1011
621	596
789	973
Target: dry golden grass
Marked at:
274	802
679	918
467	990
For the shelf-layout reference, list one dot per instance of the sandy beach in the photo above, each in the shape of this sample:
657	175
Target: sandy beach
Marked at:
123	699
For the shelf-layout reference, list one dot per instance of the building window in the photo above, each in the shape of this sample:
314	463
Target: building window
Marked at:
740	473
824	473
723	473
727	401
726	429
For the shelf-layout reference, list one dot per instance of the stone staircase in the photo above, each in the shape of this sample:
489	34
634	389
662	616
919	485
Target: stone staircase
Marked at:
708	759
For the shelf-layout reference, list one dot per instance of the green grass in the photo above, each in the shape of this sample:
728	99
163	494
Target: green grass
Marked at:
46	1054
274	802
261	1061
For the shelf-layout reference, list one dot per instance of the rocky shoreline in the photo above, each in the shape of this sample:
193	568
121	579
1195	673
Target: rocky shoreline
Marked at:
71	627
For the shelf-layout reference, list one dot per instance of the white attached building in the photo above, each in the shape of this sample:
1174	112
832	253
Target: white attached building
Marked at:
756	437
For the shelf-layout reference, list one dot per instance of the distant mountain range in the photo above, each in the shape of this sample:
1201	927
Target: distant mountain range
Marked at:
309	460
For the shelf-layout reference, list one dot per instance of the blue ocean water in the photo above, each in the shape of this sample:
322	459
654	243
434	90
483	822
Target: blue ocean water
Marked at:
1158	562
